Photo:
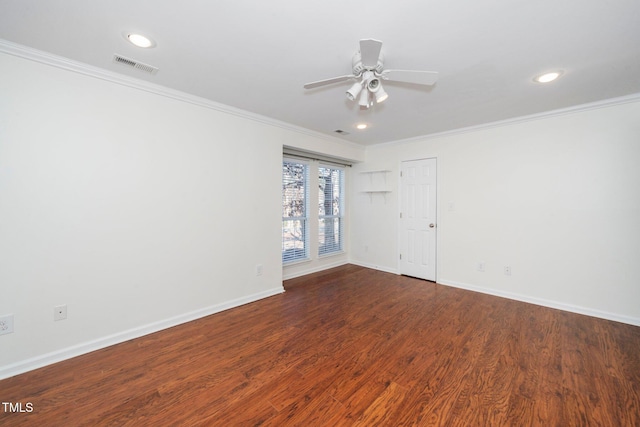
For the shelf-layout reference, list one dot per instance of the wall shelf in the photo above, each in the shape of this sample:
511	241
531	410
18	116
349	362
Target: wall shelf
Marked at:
381	192
371	174
378	185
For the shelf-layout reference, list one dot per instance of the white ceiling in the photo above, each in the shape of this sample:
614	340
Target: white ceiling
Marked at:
256	55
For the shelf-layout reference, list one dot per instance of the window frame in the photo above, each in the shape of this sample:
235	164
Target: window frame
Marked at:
324	249
297	255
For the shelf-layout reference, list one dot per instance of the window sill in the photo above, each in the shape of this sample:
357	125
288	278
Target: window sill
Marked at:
330	254
296	262
307	260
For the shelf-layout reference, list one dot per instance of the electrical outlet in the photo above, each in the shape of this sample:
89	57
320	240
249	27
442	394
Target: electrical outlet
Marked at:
6	324
259	270
60	312
480	266
507	270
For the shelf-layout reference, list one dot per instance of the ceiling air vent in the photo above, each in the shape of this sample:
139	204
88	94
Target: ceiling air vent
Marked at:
341	132
134	64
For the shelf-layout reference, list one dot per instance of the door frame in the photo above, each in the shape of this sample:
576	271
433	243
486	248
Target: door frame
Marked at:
399	230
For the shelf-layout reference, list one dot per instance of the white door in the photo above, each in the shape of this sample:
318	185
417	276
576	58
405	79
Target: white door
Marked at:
418	219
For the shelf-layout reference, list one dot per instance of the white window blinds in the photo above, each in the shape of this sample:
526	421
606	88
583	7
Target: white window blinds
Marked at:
330	209
295	221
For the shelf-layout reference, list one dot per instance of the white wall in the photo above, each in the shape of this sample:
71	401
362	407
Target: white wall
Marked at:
555	198
136	210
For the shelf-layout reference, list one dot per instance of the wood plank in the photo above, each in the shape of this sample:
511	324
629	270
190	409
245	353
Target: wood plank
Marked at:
351	346
381	411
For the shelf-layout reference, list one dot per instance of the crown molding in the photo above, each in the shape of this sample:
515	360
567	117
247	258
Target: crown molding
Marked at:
61	62
627	99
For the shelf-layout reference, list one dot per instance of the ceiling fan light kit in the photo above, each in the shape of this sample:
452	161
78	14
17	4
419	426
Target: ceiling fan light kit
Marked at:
381	95
373	84
364	99
368	67
355	90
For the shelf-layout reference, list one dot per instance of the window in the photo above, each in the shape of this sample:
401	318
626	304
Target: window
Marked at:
307	233
330	212
295	221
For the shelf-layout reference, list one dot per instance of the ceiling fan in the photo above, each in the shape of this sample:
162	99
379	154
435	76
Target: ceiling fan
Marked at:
368	68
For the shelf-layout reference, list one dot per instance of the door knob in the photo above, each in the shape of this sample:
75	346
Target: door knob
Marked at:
432	225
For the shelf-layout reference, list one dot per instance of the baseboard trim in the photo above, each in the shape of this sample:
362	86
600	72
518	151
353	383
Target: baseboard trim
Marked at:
374	267
545	303
292	275
107	341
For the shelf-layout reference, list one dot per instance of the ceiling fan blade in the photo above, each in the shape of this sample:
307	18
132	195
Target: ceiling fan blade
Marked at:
427	78
329	81
370	52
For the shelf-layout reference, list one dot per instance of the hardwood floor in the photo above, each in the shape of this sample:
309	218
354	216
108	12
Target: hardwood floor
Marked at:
352	347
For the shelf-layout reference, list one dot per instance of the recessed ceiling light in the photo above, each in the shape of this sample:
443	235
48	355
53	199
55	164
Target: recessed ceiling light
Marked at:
547	77
140	40
361	126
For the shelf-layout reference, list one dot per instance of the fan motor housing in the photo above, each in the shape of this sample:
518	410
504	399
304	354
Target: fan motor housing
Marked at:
359	68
